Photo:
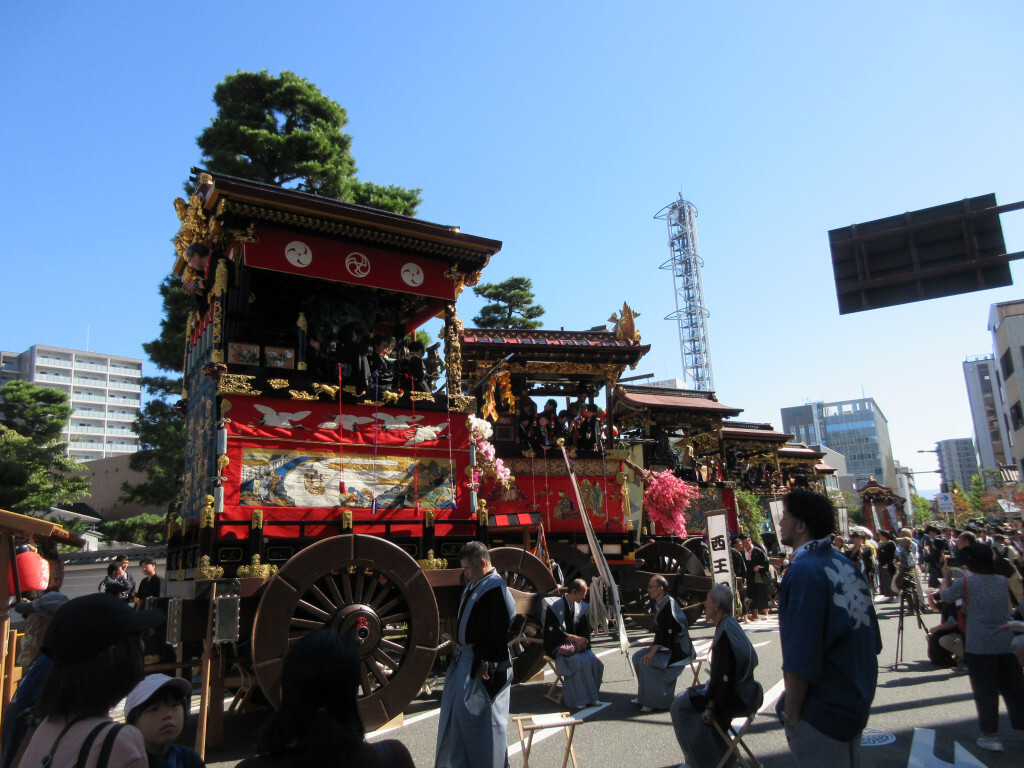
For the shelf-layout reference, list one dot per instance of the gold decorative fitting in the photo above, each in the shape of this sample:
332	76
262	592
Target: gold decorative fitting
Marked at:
206	571
257	569
222	462
625	327
431	563
417	396
346	519
300	366
236	384
297	395
428	518
302	322
208	516
278	383
462	404
389	398
481	513
326	389
256	520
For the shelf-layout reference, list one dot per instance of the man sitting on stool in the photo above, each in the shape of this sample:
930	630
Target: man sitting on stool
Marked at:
567	641
655	673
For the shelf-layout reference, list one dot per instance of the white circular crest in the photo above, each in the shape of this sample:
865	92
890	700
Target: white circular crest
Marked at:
357	264
412	274
298	253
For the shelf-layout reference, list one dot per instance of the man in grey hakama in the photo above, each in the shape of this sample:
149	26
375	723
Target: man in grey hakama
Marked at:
658	666
567	641
474	703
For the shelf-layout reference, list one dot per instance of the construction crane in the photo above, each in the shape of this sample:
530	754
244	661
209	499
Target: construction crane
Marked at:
691	315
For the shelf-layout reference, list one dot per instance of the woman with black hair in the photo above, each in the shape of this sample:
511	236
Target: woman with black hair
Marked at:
318	724
95	642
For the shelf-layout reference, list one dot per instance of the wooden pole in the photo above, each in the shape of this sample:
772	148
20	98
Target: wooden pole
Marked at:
204	693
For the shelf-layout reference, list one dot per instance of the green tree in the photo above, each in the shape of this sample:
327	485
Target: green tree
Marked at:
511	305
922	510
284	131
141	529
32	423
751	514
275	130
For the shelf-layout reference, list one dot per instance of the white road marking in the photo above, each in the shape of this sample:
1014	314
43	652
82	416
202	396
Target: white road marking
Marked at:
408	721
922	753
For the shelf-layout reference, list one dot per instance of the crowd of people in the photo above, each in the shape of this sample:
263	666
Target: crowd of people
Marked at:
580	427
85	655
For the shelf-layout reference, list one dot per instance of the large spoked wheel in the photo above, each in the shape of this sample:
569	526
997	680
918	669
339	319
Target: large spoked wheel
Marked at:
367	589
526	573
688	581
575	564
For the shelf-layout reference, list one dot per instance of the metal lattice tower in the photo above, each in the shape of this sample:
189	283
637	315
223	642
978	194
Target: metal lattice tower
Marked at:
691	314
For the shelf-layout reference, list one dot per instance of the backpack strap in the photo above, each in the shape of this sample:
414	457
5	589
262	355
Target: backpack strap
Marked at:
108	746
83	753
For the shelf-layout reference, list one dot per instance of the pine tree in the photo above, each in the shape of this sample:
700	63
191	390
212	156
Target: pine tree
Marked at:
511	305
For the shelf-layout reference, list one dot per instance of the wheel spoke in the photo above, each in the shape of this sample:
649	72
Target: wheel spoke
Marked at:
332	587
310	608
394	618
388	605
391	646
307	624
378	673
346	587
324	601
385	661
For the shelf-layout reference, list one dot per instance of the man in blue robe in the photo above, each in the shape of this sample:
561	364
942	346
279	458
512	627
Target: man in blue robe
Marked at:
830	639
472	731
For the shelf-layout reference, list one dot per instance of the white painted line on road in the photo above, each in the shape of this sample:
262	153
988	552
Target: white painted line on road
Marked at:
770	697
922	753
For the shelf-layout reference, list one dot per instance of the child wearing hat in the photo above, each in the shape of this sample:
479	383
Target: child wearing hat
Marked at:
157	707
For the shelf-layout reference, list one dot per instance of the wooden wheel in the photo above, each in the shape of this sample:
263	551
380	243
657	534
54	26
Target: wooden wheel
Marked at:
575	564
367	589
527	573
688	581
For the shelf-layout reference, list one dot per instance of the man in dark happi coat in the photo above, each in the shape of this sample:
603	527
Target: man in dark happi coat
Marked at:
567	641
474	704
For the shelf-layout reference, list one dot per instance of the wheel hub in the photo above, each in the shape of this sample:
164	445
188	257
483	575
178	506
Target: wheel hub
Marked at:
360	624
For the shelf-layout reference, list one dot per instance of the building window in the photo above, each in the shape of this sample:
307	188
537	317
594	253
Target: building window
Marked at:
1006	362
1016	416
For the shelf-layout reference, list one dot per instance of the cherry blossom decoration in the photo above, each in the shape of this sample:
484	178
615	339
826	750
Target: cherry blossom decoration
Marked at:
486	462
666	499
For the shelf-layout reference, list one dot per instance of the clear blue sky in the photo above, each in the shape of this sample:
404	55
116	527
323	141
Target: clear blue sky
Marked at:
560	129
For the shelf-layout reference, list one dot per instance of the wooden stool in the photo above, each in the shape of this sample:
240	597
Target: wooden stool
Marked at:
554	693
541	723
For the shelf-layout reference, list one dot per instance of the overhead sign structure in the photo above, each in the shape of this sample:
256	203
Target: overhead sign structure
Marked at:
942	251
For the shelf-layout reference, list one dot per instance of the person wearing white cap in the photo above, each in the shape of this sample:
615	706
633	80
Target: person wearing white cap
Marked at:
157	707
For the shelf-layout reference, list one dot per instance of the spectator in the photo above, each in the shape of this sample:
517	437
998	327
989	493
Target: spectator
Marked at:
18	714
991	665
113	584
96	646
830	640
318	724
157	707
886	566
150	584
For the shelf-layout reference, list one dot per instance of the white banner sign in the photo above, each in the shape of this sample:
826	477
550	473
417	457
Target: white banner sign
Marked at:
719	549
776	510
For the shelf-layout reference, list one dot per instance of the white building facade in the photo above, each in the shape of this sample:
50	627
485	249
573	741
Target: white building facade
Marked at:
105	392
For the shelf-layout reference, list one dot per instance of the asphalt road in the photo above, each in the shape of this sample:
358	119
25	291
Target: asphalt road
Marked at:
915	695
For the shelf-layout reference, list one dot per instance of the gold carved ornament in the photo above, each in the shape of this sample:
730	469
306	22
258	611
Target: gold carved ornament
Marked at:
207	516
453	349
236	384
278	383
625	327
431	563
346	519
207	571
256	520
257	569
222	462
481	512
299	395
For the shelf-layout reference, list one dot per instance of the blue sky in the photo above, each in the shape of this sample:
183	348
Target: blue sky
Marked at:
560	129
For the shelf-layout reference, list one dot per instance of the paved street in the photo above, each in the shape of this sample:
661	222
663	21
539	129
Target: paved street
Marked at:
914	696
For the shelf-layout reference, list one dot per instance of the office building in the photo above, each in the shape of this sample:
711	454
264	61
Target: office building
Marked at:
958	462
1006	323
991	433
105	392
855	428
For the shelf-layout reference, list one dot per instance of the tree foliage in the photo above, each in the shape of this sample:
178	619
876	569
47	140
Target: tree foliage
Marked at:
511	305
284	131
32	423
751	514
922	510
141	529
